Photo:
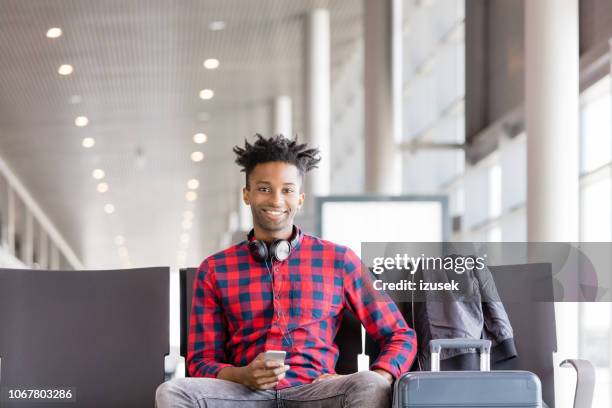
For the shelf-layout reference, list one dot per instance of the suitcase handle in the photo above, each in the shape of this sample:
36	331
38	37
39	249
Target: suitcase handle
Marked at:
484	346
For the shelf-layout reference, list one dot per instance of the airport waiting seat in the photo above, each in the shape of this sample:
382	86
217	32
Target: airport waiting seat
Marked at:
348	338
104	333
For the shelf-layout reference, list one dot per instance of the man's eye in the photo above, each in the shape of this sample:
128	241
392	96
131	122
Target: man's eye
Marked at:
264	189
288	190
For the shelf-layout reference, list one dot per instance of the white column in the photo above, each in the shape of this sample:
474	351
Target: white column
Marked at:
282	122
383	95
318	95
552	111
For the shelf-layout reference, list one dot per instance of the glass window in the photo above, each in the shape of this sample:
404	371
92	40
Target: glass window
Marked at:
495	191
595	126
595	210
595	225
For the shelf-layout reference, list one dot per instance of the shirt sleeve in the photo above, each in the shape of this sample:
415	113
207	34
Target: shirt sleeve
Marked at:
207	331
381	318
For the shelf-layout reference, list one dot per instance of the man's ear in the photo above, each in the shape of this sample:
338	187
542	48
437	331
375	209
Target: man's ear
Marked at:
301	199
245	195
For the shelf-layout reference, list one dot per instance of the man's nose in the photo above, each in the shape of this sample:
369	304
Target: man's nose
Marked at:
277	198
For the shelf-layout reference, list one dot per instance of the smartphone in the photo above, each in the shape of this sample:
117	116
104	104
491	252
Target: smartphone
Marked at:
276	355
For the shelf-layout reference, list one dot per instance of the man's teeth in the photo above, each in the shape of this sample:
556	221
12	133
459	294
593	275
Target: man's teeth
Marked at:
274	212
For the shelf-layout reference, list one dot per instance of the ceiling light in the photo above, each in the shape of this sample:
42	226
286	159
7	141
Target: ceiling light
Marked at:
211	63
98	174
65	69
197	156
185	237
188	215
102	187
207	94
54	32
200	138
119	240
109	208
193	184
186	224
216	25
191	196
88	142
81	121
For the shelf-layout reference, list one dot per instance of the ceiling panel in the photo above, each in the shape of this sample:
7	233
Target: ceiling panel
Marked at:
137	73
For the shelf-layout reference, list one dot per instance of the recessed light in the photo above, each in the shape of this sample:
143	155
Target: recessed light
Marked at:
119	240
200	138
186	224
81	121
188	215
185	238
216	25
211	63
98	174
197	156
102	187
191	196
65	69
207	94
88	142
193	184
109	208
54	32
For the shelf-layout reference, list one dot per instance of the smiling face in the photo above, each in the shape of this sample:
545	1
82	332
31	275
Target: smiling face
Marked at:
274	195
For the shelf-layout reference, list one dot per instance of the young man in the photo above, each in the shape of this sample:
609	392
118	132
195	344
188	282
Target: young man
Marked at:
284	290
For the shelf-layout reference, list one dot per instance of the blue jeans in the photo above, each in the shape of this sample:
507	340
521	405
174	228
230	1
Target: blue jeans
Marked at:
365	389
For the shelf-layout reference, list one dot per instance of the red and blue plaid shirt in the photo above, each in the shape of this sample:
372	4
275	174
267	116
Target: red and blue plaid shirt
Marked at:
236	314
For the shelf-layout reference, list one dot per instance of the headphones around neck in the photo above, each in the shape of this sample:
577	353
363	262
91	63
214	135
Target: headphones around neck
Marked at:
279	250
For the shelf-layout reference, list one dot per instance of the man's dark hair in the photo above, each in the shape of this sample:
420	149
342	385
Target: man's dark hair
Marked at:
276	148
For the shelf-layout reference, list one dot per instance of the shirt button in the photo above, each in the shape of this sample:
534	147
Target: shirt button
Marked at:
276	269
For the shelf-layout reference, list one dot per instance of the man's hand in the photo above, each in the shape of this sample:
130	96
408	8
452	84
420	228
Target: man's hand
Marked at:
258	375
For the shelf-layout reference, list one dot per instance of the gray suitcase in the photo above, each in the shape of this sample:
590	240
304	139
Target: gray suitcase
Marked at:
467	389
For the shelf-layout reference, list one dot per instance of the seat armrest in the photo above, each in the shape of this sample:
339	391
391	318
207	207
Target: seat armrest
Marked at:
585	381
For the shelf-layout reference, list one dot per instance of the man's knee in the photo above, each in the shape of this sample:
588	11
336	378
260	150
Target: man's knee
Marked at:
370	389
170	392
164	392
372	381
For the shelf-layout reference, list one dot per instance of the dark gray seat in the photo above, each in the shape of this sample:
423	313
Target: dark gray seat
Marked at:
348	338
533	324
104	333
